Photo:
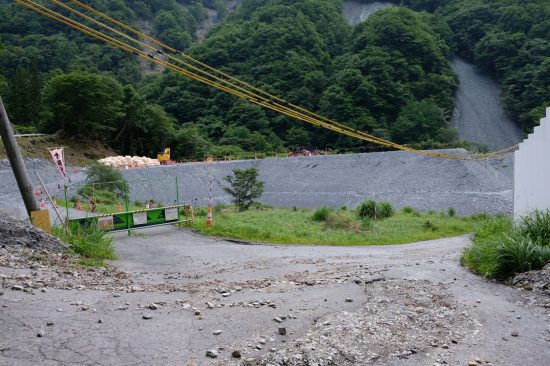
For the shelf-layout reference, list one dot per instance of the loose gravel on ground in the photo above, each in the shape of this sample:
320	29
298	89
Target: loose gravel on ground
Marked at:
179	298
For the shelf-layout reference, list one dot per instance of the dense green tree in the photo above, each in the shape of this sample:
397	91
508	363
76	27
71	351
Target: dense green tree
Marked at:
419	121
83	105
24	97
143	129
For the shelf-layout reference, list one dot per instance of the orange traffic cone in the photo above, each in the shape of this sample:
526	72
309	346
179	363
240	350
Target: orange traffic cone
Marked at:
78	205
209	217
119	207
153	204
42	204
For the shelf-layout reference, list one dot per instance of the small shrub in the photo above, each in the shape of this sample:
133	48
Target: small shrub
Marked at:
367	209
340	221
294	208
344	208
536	226
408	210
366	223
430	226
200	211
431	212
451	212
385	210
321	214
244	186
518	253
139	203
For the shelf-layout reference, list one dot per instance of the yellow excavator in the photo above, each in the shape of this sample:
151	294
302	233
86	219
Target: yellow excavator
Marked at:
164	157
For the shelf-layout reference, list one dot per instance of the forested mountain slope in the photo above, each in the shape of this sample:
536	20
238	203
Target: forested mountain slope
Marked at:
389	76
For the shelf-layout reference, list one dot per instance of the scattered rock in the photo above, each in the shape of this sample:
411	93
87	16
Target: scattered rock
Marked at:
100	321
40	333
49	324
514	334
147	316
212	353
17	288
236	354
153	306
217	332
349	300
278	320
282	331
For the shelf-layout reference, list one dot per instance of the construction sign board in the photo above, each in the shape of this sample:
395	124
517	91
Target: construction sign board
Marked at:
106	222
58	157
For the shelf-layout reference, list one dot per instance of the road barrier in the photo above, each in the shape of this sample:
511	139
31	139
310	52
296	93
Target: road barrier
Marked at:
121	221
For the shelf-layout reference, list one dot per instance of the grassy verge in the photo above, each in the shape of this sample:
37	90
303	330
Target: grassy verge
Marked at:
501	249
92	244
335	227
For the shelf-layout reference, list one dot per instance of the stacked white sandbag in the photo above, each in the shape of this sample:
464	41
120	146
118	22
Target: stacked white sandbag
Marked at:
129	161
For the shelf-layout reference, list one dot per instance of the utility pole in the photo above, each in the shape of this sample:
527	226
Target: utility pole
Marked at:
16	161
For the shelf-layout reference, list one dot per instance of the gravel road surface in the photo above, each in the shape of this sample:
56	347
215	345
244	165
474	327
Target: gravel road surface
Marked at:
179	295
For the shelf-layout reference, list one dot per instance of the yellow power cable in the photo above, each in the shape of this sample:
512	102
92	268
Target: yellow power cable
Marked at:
251	97
166	47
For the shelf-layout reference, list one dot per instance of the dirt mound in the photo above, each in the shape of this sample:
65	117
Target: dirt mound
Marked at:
537	281
21	234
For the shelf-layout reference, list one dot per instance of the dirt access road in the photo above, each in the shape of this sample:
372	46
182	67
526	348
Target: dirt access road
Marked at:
388	305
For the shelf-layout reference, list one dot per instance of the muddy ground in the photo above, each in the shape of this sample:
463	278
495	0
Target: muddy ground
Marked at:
174	295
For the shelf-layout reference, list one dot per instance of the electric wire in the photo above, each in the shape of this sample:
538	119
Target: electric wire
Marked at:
241	92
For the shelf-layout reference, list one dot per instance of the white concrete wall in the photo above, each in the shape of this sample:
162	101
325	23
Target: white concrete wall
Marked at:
532	171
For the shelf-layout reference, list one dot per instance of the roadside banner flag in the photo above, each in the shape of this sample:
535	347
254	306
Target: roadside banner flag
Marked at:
59	160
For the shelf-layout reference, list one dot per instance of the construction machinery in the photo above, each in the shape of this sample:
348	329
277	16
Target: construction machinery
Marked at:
164	157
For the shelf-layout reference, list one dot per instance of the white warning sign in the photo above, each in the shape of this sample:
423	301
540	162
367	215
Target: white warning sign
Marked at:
171	214
140	218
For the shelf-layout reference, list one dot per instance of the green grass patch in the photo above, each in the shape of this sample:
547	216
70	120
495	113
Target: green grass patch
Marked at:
501	249
91	243
298	226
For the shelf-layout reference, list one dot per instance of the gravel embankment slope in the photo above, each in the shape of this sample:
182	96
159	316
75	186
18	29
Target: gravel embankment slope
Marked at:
478	115
334	180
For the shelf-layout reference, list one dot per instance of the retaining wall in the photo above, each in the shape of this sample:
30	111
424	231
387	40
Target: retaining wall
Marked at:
532	171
